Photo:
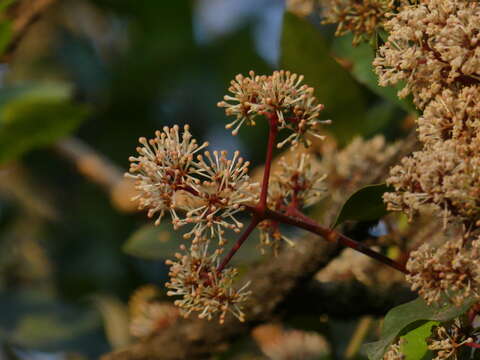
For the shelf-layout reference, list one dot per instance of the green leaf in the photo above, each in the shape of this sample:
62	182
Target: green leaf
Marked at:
361	58
414	345
162	242
305	51
401	316
364	205
5	34
36	116
4	4
153	242
38	320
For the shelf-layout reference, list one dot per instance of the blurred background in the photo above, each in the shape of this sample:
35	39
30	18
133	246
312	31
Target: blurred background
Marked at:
80	81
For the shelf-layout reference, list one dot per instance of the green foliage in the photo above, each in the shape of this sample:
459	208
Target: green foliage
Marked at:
35	116
364	205
39	321
5	34
414	345
400	317
153	242
361	58
160	242
305	51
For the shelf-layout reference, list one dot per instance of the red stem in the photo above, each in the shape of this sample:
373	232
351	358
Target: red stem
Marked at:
239	243
261	212
262	205
333	236
473	345
272	137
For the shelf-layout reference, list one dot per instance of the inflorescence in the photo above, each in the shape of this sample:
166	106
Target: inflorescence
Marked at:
433	50
206	192
281	95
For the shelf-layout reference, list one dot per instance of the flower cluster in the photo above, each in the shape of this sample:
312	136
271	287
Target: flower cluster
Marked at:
452	270
452	115
432	46
204	192
447	340
393	352
280	96
433	49
362	18
194	277
444	177
296	184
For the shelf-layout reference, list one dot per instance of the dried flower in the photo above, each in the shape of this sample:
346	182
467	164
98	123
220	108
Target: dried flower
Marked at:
363	18
432	46
194	277
281	95
446	340
452	270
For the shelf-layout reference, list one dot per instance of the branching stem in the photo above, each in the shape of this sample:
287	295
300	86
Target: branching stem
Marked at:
295	217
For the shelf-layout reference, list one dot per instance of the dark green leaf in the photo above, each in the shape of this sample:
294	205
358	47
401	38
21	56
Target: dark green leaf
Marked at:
39	321
361	58
153	242
305	51
401	316
35	116
5	34
4	4
414	345
364	205
162	242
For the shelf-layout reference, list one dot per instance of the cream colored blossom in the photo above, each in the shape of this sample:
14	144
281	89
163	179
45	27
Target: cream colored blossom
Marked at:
451	115
394	353
431	47
451	270
223	193
204	290
363	18
444	177
446	340
204	190
163	167
296	184
281	95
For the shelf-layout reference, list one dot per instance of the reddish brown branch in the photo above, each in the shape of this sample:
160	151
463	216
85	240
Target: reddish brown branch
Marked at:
272	137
